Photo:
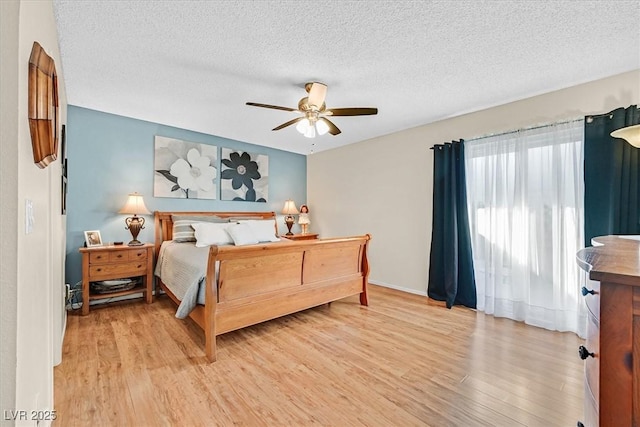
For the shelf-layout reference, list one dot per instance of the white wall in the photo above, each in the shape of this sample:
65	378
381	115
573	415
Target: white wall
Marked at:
8	200
383	186
32	264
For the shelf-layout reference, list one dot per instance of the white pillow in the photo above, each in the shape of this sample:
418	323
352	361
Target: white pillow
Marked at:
210	233
263	230
182	230
242	234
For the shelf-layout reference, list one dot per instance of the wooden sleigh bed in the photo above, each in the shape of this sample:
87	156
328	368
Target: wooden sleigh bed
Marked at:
260	282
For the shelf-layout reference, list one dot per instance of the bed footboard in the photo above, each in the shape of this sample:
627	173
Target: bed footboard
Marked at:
262	282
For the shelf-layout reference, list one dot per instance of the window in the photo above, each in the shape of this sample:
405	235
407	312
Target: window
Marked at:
525	195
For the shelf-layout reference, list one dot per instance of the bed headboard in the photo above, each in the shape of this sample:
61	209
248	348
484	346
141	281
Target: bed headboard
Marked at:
164	223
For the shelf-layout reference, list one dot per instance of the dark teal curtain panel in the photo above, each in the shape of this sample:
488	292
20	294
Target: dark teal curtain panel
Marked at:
611	176
451	277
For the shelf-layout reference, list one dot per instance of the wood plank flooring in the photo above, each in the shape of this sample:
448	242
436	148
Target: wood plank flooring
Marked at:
403	361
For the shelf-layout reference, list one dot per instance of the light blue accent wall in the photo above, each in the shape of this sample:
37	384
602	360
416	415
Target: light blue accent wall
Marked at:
110	156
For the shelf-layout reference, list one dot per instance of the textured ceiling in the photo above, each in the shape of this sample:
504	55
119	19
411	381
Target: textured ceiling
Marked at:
194	64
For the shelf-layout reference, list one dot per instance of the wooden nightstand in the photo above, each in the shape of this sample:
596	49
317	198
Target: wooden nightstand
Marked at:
116	262
308	236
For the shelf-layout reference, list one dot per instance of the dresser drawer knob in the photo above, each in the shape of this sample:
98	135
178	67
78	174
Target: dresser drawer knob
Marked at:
586	291
580	424
584	353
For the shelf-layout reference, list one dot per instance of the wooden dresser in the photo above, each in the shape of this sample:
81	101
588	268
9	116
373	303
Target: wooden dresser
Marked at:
612	350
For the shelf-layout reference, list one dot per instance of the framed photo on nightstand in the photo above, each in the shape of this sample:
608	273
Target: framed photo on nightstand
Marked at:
92	238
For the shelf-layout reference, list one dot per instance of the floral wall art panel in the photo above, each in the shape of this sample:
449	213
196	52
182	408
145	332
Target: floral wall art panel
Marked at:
244	176
185	170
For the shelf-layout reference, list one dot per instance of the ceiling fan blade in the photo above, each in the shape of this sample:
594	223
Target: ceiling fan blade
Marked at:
333	129
351	111
289	123
274	107
317	94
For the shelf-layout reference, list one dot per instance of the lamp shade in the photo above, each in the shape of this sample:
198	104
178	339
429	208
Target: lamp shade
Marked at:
302	126
135	205
322	127
289	208
310	132
630	133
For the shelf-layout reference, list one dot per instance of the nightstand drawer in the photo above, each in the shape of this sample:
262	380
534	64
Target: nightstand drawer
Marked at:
99	257
124	255
119	256
137	254
119	270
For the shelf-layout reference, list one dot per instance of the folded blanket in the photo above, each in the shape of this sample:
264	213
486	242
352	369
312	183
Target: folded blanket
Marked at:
182	268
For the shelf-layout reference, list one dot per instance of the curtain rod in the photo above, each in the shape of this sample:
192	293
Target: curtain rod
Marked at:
529	128
518	130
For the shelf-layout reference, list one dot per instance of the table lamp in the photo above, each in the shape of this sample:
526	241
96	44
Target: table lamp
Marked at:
134	206
289	210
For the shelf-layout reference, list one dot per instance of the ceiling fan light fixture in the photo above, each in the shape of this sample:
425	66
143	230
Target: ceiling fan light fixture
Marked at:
313	120
321	127
310	132
302	126
311	128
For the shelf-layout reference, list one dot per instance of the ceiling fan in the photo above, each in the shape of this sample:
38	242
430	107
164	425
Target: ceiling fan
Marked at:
314	119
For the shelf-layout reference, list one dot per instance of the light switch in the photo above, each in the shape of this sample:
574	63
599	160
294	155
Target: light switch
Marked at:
29	217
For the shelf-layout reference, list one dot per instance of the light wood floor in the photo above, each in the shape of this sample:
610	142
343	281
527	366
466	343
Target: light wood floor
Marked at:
403	361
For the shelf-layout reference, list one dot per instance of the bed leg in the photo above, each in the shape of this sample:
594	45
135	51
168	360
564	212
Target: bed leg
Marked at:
363	295
210	346
363	298
365	273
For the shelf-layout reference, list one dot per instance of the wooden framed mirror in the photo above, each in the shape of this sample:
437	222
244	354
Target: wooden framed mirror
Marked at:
43	106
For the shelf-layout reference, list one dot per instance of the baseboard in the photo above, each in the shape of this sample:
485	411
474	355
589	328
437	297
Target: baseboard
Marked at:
398	288
57	358
64	328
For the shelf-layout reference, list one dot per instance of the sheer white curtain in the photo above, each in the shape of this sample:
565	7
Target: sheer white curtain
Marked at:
525	195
